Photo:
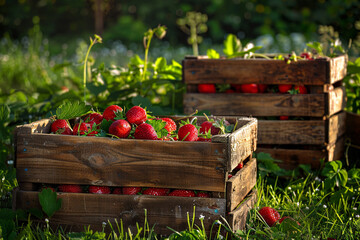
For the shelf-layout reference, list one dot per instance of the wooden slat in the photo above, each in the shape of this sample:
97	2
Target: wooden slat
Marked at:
353	127
336	127
242	143
40	126
336	101
336	151
292	132
80	209
237	218
256	104
49	158
243	71
238	186
338	68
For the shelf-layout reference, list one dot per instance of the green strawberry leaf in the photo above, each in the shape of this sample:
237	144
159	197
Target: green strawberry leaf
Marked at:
213	54
120	115
159	126
69	110
232	45
4	113
105	125
49	202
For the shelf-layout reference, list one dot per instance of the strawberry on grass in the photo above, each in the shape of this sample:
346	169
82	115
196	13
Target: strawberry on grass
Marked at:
270	215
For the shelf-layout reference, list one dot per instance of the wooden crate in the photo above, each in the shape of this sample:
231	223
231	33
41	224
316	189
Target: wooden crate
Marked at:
43	158
320	127
353	137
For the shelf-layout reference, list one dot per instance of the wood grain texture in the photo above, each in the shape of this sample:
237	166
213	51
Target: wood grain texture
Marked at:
292	132
338	68
239	185
237	218
336	128
257	105
293	157
49	158
40	126
242	143
336	101
352	128
83	209
264	71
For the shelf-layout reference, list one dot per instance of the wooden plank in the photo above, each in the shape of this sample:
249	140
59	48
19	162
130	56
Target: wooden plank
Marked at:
40	126
336	101
243	71
258	105
49	158
352	128
292	158
242	143
338	68
336	151
292	132
336	128
238	186
80	209
237	218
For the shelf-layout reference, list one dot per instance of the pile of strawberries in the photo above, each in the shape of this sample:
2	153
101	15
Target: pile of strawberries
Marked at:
74	188
138	124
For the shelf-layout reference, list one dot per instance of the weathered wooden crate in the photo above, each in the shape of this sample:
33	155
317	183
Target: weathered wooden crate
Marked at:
43	158
318	132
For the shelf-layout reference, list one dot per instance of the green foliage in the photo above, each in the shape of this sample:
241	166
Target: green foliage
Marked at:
352	84
70	110
49	201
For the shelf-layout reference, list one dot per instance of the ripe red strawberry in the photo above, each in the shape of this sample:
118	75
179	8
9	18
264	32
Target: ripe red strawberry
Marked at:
262	88
61	126
131	190
239	166
109	112
205	126
70	188
230	176
301	89
182	193
287	217
284	88
94	117
120	128
188	132
156	191
306	55
206	88
136	115
117	190
284	117
99	189
249	88
145	131
203	194
84	128
170	124
270	215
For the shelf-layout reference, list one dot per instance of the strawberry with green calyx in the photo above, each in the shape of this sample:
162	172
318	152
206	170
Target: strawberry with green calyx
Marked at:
94	117
284	88
110	112
61	126
188	131
170	125
136	115
120	128
145	131
224	126
160	127
87	129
